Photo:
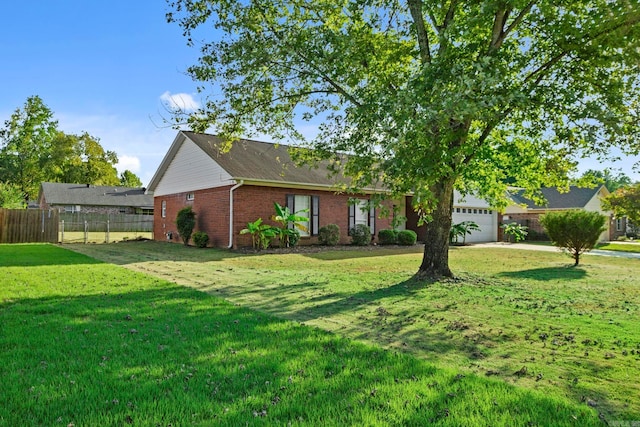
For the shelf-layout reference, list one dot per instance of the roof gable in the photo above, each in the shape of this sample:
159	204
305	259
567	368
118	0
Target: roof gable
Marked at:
94	195
575	198
249	160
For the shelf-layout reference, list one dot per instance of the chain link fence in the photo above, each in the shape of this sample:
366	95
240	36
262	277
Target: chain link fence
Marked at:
104	228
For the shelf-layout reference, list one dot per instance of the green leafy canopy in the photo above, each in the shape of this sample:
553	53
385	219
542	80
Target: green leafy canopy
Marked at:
424	95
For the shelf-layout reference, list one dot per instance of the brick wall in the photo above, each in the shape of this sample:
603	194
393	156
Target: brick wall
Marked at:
250	203
212	215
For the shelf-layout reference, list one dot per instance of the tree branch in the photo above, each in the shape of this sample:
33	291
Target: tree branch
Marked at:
415	7
499	33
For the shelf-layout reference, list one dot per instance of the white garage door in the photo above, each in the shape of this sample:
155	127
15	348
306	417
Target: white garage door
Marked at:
487	220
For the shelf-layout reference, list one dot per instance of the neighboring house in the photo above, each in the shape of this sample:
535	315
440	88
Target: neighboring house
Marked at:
228	189
526	212
86	198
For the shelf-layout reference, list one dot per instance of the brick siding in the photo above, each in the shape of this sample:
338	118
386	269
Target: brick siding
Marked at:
250	203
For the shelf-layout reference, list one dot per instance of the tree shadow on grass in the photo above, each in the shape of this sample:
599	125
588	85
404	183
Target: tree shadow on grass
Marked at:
172	355
547	273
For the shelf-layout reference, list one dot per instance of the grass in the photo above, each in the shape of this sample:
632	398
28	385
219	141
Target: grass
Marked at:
623	247
92	344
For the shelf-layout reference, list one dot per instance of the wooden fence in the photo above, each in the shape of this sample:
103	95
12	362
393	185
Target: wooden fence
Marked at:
28	225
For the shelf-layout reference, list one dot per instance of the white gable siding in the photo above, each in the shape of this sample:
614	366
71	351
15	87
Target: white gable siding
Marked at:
191	169
595	204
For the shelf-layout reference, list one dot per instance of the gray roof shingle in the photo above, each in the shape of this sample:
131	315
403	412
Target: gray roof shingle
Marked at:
263	161
94	195
575	198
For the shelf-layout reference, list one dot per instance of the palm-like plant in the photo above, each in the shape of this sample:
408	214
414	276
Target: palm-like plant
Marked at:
461	230
261	234
290	223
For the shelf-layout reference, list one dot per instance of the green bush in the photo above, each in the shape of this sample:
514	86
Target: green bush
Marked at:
200	238
575	231
329	235
185	222
360	235
388	237
407	237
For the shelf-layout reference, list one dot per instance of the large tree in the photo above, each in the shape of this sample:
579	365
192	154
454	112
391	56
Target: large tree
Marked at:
625	201
33	150
426	96
607	178
25	144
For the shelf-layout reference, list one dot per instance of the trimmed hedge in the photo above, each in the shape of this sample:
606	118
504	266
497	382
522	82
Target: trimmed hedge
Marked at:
200	238
329	235
407	237
388	237
360	235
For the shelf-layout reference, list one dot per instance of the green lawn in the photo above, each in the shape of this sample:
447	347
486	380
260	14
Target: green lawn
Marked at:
523	340
624	247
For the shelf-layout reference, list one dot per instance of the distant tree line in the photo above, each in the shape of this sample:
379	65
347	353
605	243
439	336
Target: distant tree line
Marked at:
33	150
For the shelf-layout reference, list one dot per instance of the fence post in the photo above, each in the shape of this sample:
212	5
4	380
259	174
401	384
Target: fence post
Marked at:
62	236
107	231
86	232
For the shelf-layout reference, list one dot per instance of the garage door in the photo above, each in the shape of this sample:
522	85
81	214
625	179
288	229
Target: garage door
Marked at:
487	220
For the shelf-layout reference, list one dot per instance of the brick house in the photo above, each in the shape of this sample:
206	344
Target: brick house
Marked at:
86	198
228	189
526	212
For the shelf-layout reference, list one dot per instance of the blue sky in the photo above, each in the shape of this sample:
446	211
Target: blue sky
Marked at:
108	68
101	67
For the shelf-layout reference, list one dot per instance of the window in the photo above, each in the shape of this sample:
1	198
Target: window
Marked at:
457	210
164	209
464	210
361	213
72	209
310	205
618	224
191	196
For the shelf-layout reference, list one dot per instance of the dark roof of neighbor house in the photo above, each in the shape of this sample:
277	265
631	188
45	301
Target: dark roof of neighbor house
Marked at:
262	161
94	195
575	198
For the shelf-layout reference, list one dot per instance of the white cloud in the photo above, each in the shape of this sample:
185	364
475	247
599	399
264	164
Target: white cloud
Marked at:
131	163
179	101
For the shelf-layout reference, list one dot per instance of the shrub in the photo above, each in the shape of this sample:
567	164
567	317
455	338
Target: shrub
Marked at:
407	237
388	237
360	235
329	235
576	231
516	231
185	222
293	237
200	238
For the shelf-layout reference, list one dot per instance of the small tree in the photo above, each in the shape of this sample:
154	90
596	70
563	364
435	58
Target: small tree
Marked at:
574	231
186	221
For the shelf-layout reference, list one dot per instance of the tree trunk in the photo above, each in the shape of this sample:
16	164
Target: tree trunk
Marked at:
435	261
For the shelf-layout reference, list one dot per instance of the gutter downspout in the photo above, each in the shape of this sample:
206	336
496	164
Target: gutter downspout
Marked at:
238	185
